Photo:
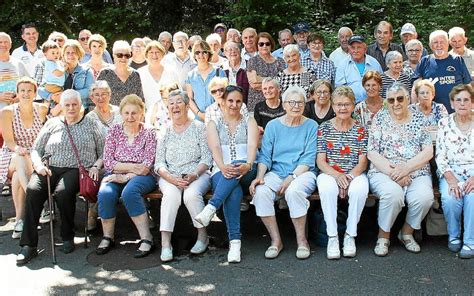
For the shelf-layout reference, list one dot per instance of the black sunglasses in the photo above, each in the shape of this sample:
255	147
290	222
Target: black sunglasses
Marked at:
231	88
198	52
261	44
399	99
84	39
215	91
123	55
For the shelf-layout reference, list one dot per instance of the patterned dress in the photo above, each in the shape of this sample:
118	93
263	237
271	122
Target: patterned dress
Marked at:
24	137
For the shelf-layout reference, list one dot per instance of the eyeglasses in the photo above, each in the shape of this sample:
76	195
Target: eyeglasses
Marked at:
293	104
261	44
414	50
320	93
215	91
101	95
123	55
343	105
58	40
219	30
231	88
399	99
84	39
315	43
198	52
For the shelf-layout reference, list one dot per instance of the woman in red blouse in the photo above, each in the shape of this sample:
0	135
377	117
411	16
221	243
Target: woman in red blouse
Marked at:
129	155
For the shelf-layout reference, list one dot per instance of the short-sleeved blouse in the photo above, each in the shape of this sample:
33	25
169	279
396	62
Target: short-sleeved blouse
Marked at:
303	79
399	143
454	150
263	69
311	113
181	153
201	94
132	85
363	115
438	111
342	148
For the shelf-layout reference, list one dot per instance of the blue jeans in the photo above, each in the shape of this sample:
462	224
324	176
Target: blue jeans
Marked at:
453	209
131	192
229	193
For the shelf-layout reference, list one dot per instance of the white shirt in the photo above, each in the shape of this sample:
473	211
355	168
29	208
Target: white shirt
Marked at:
29	60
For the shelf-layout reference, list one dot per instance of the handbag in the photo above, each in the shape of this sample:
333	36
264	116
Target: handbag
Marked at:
88	187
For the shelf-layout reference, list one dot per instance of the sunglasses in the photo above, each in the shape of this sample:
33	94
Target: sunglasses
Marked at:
123	55
399	99
232	88
215	91
58	40
219	30
84	39
261	44
198	52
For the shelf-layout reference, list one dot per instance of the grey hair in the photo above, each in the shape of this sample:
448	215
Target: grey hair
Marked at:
7	36
438	33
70	94
396	87
121	44
284	31
291	48
413	43
294	90
344	29
234	30
213	36
391	55
273	80
164	34
456	31
181	93
99	84
180	34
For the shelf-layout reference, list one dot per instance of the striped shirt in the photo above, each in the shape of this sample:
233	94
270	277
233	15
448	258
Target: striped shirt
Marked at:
387	81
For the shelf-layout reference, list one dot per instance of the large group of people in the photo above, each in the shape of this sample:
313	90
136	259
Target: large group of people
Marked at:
232	115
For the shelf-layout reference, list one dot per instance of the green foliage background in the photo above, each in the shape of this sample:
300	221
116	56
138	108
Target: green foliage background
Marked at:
125	19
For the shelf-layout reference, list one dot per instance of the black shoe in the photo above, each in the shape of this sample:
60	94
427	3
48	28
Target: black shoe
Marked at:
141	254
105	250
25	255
68	246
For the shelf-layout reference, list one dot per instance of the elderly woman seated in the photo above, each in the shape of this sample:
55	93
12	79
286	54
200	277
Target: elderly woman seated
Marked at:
182	161
233	141
342	159
319	106
425	92
455	159
53	143
399	150
129	154
286	168
272	107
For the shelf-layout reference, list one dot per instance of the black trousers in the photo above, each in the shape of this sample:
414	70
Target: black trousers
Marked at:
64	187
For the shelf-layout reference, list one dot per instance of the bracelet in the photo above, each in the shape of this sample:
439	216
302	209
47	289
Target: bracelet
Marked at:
250	166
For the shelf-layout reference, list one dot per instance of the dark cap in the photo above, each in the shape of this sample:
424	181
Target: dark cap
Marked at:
356	38
300	27
220	25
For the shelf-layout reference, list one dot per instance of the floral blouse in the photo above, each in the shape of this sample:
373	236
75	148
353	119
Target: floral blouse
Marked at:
182	153
454	150
118	149
363	115
399	143
438	111
342	148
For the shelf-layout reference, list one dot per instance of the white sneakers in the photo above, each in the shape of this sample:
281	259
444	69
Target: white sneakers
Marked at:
333	251
206	215
18	229
349	248
234	251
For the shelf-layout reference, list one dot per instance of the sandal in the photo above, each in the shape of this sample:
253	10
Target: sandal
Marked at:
139	253
409	242
106	249
381	247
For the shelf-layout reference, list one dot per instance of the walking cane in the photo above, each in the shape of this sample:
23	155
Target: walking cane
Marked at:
51	207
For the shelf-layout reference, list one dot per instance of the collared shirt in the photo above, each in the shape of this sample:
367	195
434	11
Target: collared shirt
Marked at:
233	73
304	53
338	55
375	51
105	56
10	72
278	53
182	68
468	57
322	69
247	55
348	74
29	59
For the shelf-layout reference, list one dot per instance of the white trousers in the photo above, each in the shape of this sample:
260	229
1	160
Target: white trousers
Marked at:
192	197
328	194
419	197
296	195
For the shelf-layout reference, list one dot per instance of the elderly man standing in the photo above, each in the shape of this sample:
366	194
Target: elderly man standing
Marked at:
29	53
165	39
443	69
407	33
234	36
249	39
301	32
342	52
180	60
352	69
383	34
83	39
284	38
458	40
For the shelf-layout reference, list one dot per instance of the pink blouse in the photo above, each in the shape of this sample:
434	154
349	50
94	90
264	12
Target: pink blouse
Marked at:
117	149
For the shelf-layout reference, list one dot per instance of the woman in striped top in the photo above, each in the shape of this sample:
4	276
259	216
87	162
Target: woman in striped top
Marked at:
394	61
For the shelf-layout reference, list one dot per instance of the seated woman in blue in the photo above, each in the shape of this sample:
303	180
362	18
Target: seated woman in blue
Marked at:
233	140
286	168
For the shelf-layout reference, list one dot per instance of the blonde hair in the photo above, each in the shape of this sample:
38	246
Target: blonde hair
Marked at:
155	44
132	100
76	46
427	83
343	91
97	38
218	80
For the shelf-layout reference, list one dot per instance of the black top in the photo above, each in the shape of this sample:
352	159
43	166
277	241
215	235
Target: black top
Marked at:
137	66
263	114
310	113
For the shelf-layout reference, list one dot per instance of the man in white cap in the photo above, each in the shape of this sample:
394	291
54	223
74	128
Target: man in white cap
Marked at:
458	40
407	33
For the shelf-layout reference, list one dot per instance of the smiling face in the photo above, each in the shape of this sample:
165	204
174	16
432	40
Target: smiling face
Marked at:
462	103
30	36
83	39
357	51
396	65
302	39
249	39
294	106
96	48
201	55
270	91
439	45
292	59
316	47
232	35
70	56
154	56
343	107
26	92
217	91
232	51
372	87
322	95
343	39
100	97
177	108
383	35
132	115
215	46
5	45
395	107
232	103
121	57
285	39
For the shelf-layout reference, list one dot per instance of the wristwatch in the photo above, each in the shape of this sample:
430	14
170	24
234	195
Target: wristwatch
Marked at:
293	175
251	166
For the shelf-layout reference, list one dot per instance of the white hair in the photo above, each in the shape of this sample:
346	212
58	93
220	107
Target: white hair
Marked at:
391	55
294	90
291	48
456	31
164	34
180	34
438	33
273	80
413	43
7	36
344	29
70	94
213	37
234	30
119	45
